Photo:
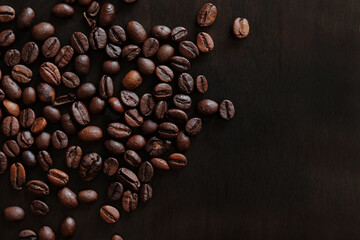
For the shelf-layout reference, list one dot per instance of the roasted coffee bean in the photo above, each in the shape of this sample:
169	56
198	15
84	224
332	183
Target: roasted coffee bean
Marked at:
207	107
241	28
116	105
117	35
93	9
149	127
160	110
161	32
132	80
46	93
111	165
118	237
164	73
27	234
193	126
106	87
64	99
50	73
132	158
38	187
17	176
146	172
51	114
182	142
115	191
21	74
156	147
114	148
25	139
111	67
3	163
7	13
90	166
12	57
150	47
7	37
96	105
73	156
90	134
14	213
168	130
28	159
129	98
133	118
29	52
82	64
165	52
128	179
177	161
182	101
59	140
205	42
26	18
67	198
146	193
85	91
130	52
28	96
63	10
118	130
160	164
57	177
188	50
11	148
113	51
207	15
201	84
106	15
98	38
176	116
39	208
179	64
145	66
44	159
136	32
129	201
12	90
70	80
87	196
10	126
42	31
39	125
80	113
46	233
50	47
64	56
68	225
147	104
43	140
109	214
162	91
227	110
179	34
11	107
80	42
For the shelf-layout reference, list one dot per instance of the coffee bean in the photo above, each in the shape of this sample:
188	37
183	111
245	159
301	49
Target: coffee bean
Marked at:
82	64
106	87
12	57
90	166
132	159
160	110
96	105
129	98
162	91
207	107
176	116
182	142
179	64
112	51
149	127
42	31
39	208
57	177
156	147
111	165
28	96
73	157
98	38
28	159
27	234
128	179
132	80
11	107
67	198
11	148
21	74
168	130
116	105
29	52
59	140
25	139
14	213
150	47
68	226
115	191
107	14
177	161
7	13
129	201
193	126
93	9
136	32
146	172
161	32
80	42
46	93
179	34
118	130
46	233
130	52
51	114
117	35
201	84
26	18
43	140
145	66
7	37
50	47
165	52
160	164
70	80
63	10
64	99
38	187
3	163
87	196
109	214
227	110
44	159
114	148
182	101
90	134
80	113
147	104
204	42
111	67
118	237
164	73
207	15
12	90
10	126
50	73
241	28
17	176
146	193
188	50
133	118
39	125
64	56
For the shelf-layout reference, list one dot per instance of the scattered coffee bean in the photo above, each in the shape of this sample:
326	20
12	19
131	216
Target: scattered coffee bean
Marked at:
46	233
96	105
70	80
106	87
164	53
136	32
90	166
106	15
147	104
117	35
21	74
12	57
26	18
111	67
193	126
145	66
179	34
11	149
182	101
39	208
201	84
29	96
10	126
204	42
63	10
80	113
51	114
207	107
7	13
227	110
64	56
24	139
98	38
241	28
50	73
29	52
161	32
132	80
11	88
44	159
150	47
73	157
146	193
3	163
67	198
207	15
118	130
156	147
146	172
42	31
116	105
164	73
11	107
7	38
162	91
176	116
93	9
43	140
132	159
179	64
64	99
160	164
188	50
87	196
111	165
129	201
17	176
149	127
90	134
177	161
128	178
109	214
82	64
38	187
50	47
130	52
28	159
46	93
133	118
68	225
14	213
168	130
80	42
57	177
182	142
115	191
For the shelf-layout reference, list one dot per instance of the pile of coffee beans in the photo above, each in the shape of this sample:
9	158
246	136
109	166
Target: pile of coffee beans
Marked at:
141	130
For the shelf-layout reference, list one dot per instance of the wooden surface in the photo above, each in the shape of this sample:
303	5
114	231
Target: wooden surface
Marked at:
288	165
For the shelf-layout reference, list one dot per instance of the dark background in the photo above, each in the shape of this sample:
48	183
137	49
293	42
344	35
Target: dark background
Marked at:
287	166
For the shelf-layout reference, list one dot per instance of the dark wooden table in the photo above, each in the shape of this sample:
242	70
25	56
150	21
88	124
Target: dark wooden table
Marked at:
288	165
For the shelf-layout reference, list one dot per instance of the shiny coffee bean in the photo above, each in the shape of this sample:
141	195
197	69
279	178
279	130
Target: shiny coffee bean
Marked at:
145	66
146	172
112	51
63	10
116	105
80	42
11	107
118	237
161	32
70	80
177	161
164	73
38	187
168	130
12	90
109	214
129	201
43	140
29	96
59	140
132	80
3	163
117	35
188	50
44	159
160	110
128	178
11	148
111	67
98	38
96	105
179	34
90	134
46	93
162	91
12	57
73	156
64	99
176	116
146	193
25	139
67	198
90	166
160	164
14	213
207	107
156	147
115	191
85	91
106	87
10	126
182	142
201	84
17	176
28	159
115	148
68	226
129	98
87	196
106	15
93	9
29	52
130	52
80	113
133	118
40	208
46	233
51	114
42	31
27	234
149	127
164	53
207	15
50	73
26	18
179	64
182	101
150	47
241	28
205	42
7	38
64	56
118	130
111	165
132	159
147	104
227	110
136	32
50	47
193	126
57	177
82	64
21	74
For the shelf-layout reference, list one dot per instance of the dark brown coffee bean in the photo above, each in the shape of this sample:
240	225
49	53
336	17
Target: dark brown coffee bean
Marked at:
80	113
156	147
29	52
241	28
129	201
85	91
25	139
68	225
145	66
12	57
42	31
39	208
43	140
3	163
118	130
7	13
116	105
162	91
115	191
160	164
193	126
204	42
177	161
113	51
111	67
21	74
67	198
149	127
11	107
207	107
111	165
96	105
179	34
7	37
133	118
12	90
128	179
57	177
82	64
164	73
150	47
70	80
189	50
10	126
73	157
182	142
50	73
80	42
179	64
90	166
117	35
160	110
38	187
46	93
109	214
147	104
176	116
136	32
207	15
50	47
106	87
28	96
146	193
59	140
182	101
165	52
168	130
26	18
51	114
11	148
93	9
44	159
64	56
90	134
161	32
227	110
28	158
132	80
87	196
14	213
63	10
27	234
98	38
39	125
64	99
114	148
132	158
46	233
129	98
107	14
130	52
17	176
201	84
146	172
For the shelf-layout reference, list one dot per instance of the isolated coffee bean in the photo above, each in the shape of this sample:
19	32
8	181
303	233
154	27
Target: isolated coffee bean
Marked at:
11	148
68	226
118	237
80	113
44	159
39	208
118	130
111	67
63	10
182	101
164	53
93	9
29	52
193	126
147	104
87	196
207	15
46	93
14	213
70	80
182	142
146	193
179	34
106	15
12	90
150	47
50	73
50	47
98	38
113	51
176	116
130	52
132	80
57	177
136	32
204	42
80	42
90	134
21	74
168	130
109	214
26	18
161	32
51	114
85	91
28	96
188	50
82	64
129	98
10	126
64	56
156	147
117	35
64	99
90	166
164	73
28	159
227	110
96	105
17	176
111	165
201	84
146	172
115	148
177	161
115	191
128	178
129	201
38	187
160	164
46	233
179	64
186	83
132	159
162	91
67	198
207	107
133	118
7	37
7	13
24	139
145	66
106	87
12	57
11	107
149	127
241	28
3	163
42	31
39	125
73	156
43	140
